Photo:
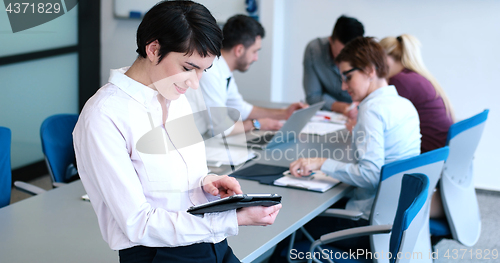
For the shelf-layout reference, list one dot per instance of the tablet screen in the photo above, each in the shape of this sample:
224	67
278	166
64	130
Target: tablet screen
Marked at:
235	202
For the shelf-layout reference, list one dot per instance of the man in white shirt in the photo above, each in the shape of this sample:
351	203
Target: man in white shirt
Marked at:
242	41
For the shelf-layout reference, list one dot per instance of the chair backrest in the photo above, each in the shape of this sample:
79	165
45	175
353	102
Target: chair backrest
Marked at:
386	200
5	172
409	219
57	144
457	185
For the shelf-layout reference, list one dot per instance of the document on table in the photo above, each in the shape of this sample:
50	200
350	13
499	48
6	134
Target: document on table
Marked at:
217	156
329	116
318	182
321	128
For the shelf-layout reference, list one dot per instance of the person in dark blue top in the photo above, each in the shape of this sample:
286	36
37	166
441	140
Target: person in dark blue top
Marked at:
322	80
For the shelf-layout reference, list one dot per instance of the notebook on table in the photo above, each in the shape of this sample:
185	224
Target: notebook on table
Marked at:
318	182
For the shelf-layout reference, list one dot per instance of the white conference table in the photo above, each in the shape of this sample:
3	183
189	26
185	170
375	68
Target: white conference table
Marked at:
58	226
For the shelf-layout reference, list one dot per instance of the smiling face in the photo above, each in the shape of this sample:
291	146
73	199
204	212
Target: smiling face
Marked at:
177	72
355	81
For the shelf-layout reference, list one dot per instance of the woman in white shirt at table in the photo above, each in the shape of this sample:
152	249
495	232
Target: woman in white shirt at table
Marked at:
387	130
141	173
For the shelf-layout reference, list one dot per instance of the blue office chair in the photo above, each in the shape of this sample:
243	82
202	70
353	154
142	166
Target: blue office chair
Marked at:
57	146
5	173
408	222
384	207
463	221
386	201
56	134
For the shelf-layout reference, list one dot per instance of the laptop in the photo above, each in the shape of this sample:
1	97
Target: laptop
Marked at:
292	127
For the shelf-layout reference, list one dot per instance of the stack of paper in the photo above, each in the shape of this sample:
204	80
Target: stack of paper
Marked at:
318	182
217	156
321	128
329	116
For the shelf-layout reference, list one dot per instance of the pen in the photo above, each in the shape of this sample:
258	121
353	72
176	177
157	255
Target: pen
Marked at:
309	176
287	172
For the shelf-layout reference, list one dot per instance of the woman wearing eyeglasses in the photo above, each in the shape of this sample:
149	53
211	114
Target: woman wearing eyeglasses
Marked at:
387	130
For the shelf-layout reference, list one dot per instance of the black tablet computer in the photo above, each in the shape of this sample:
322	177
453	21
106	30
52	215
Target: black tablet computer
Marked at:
235	202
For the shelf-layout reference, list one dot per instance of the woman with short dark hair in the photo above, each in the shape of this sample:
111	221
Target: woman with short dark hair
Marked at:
141	172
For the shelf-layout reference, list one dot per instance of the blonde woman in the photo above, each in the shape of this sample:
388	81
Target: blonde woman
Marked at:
413	81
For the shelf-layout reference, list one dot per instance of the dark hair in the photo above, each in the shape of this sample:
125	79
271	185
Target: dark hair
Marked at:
179	26
241	29
346	29
363	52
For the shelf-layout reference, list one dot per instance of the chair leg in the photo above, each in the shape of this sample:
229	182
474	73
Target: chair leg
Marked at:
292	242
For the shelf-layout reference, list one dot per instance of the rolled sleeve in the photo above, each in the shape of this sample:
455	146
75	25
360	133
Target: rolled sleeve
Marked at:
245	109
329	100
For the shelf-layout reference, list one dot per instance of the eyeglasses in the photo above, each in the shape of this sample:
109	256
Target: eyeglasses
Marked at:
344	76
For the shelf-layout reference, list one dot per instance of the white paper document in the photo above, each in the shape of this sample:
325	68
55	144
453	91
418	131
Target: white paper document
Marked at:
319	182
329	116
217	156
321	128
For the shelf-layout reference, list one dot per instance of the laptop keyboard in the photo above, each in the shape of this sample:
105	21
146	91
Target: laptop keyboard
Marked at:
262	140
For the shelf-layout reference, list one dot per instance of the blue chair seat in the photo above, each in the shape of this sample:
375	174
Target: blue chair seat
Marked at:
57	146
409	220
5	172
440	227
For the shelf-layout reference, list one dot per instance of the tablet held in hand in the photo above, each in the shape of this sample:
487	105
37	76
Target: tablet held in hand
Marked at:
235	202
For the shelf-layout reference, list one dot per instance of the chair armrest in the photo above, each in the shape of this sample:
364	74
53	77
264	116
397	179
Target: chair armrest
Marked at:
355	232
56	184
347	233
342	213
28	188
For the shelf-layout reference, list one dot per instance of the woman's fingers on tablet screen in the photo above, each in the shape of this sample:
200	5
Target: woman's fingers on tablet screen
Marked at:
221	185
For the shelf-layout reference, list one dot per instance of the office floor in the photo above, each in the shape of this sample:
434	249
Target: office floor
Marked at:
490	235
448	251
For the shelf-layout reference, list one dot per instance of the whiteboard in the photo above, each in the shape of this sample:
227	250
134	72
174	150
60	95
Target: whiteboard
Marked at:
220	9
